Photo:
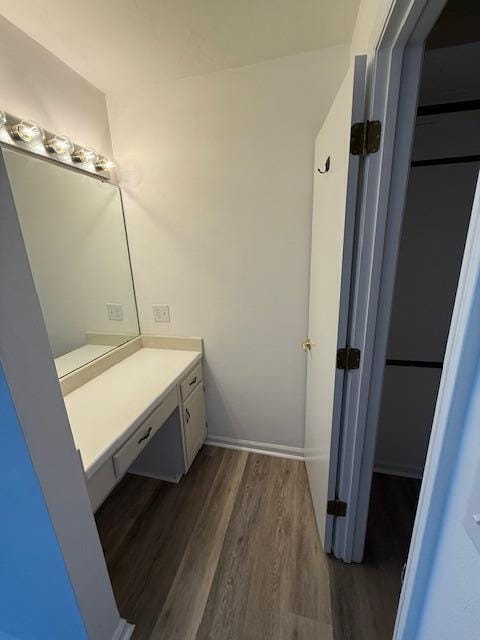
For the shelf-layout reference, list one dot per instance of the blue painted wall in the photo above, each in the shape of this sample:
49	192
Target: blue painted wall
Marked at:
36	597
452	606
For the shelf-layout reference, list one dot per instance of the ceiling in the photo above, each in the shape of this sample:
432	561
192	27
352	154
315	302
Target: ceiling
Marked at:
118	44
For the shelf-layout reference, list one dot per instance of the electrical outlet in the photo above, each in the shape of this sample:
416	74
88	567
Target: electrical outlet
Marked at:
115	311
161	313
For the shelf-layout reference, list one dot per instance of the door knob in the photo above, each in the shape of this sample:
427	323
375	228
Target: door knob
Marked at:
307	344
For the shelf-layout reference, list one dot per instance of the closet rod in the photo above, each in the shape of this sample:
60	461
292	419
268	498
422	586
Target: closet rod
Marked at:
440	161
448	107
423	364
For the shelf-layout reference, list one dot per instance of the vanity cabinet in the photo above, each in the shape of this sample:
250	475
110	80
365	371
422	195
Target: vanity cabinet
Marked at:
144	414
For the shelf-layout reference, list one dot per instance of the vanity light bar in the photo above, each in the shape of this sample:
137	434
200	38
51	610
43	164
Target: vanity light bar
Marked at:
61	145
28	131
84	155
104	164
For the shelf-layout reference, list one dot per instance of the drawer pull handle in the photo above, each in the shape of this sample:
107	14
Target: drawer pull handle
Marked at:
147	435
188	414
193	381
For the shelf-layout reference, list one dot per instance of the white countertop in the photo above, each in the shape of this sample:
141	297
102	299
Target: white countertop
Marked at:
79	357
106	410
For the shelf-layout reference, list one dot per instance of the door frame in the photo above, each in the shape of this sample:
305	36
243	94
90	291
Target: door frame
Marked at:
392	92
457	386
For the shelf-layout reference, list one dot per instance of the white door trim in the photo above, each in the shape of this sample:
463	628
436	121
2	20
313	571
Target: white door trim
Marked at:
458	378
392	98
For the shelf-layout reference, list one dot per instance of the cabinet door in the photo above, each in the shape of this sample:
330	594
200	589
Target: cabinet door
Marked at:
195	424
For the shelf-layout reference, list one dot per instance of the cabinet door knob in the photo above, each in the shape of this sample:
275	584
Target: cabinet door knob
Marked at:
188	414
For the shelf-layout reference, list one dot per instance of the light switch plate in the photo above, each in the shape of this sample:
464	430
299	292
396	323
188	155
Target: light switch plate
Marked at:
115	311
161	313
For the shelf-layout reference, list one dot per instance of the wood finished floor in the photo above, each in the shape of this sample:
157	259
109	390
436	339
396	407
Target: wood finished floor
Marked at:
365	597
230	553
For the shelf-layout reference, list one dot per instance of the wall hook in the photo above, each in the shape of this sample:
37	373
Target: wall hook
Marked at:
327	166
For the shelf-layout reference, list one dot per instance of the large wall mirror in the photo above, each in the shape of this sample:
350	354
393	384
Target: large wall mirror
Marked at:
74	231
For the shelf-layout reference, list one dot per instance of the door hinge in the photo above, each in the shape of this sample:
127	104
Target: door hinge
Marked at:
348	358
337	508
365	137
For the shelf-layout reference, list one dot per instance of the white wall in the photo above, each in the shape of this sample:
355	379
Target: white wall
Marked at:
35	84
219	223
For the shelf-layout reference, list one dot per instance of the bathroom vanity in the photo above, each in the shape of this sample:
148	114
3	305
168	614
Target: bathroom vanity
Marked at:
144	413
134	402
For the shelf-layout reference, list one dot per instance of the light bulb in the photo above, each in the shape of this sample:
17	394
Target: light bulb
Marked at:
3	119
104	164
27	131
61	145
84	155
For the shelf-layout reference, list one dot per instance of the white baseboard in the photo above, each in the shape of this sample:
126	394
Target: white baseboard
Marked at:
297	453
124	631
398	470
276	450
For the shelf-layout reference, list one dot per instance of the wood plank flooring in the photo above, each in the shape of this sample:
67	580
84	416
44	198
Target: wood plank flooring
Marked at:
365	597
230	553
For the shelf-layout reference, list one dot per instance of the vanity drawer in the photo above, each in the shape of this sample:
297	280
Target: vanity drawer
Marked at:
144	434
191	380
